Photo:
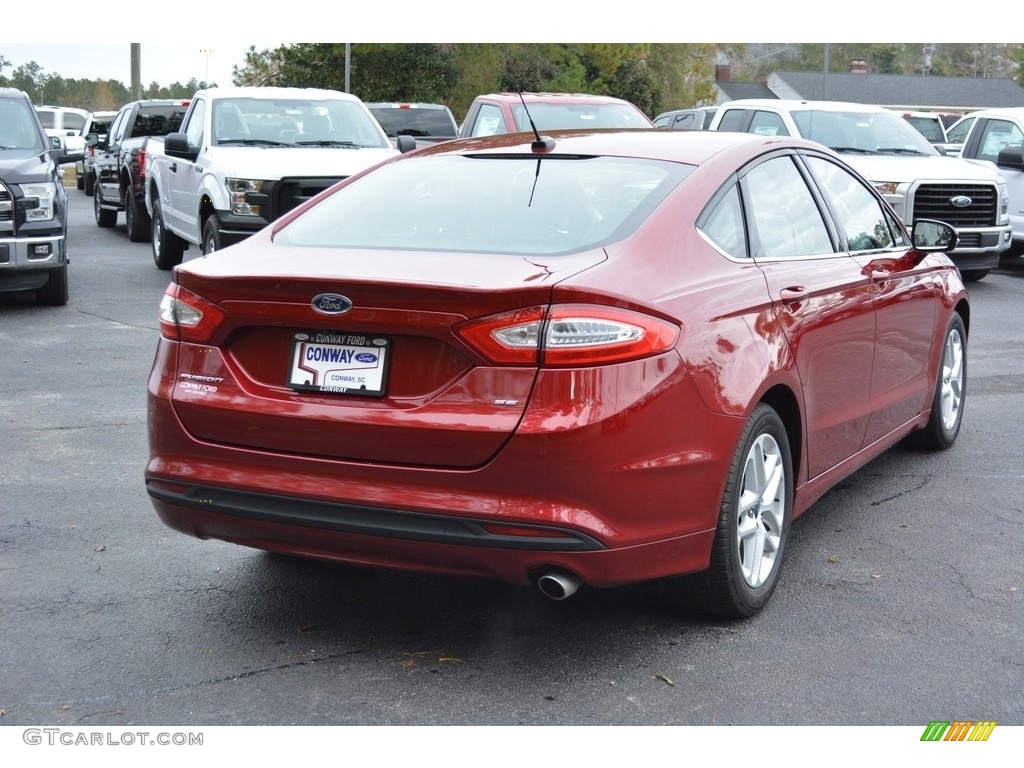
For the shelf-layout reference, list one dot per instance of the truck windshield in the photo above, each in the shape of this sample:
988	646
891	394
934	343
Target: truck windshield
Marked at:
853	131
295	122
18	126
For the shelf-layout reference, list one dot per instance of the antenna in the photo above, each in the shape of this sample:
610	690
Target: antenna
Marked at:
539	144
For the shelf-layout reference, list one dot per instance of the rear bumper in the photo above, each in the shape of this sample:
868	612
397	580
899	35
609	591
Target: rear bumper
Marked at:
405	548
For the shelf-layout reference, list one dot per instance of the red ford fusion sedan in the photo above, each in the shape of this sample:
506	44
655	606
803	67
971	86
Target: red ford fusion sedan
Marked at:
589	358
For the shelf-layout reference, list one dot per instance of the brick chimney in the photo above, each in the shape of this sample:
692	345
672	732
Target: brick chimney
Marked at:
858	67
723	68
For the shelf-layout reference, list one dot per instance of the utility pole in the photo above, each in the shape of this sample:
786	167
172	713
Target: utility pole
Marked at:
136	89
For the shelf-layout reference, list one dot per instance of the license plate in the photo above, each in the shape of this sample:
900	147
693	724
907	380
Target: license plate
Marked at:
339	363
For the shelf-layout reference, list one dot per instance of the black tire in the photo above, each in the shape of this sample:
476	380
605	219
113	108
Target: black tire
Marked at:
90	184
80	181
55	292
973	275
947	412
753	524
168	249
211	236
136	219
104	217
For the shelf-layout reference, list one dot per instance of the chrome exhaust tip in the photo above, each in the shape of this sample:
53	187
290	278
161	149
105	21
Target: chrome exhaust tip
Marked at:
558	585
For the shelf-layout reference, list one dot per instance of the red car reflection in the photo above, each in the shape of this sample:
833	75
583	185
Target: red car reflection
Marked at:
597	359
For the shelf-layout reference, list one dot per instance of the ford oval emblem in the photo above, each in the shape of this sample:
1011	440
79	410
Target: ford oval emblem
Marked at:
960	201
331	304
366	357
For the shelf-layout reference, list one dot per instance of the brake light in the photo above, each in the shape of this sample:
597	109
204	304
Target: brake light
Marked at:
569	335
142	163
187	316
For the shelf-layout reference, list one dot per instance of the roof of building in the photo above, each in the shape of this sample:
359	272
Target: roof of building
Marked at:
903	91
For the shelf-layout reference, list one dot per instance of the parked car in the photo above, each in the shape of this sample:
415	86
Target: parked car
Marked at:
119	165
496	113
66	124
426	123
597	358
246	156
916	180
97	123
676	119
33	203
996	141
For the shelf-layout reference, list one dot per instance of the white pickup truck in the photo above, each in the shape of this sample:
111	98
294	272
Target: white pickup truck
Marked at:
916	180
245	156
996	141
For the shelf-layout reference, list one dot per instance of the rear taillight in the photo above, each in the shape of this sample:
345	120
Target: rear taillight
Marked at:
186	316
142	164
569	335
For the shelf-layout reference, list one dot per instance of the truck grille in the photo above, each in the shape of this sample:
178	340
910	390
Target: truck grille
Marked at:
933	201
291	193
6	205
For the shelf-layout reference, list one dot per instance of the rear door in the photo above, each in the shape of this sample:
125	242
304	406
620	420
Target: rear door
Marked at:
822	299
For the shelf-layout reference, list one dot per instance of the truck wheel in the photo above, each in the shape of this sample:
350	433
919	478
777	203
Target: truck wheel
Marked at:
80	181
90	184
168	249
136	220
211	236
973	275
55	292
104	217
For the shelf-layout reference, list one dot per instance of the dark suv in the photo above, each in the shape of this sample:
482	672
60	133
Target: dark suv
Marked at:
33	204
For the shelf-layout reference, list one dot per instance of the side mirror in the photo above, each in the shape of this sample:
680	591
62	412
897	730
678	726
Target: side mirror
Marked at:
932	236
1011	158
405	143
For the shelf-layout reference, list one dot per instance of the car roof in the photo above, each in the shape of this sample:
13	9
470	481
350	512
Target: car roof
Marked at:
404	104
553	98
788	104
690	147
275	92
1017	112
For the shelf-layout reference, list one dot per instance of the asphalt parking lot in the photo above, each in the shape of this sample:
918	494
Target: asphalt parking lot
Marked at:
900	602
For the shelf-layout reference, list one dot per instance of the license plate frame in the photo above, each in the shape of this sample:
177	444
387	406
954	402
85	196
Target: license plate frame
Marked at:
339	363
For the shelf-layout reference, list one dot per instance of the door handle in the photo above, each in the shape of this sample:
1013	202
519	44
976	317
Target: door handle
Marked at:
793	293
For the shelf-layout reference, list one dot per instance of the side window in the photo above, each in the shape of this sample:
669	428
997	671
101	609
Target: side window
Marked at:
196	121
767	124
783	212
860	215
997	135
685	121
733	120
958	133
46	117
724	226
117	129
73	121
489	121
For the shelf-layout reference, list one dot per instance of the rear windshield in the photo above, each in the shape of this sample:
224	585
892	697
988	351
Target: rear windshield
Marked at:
488	204
157	120
415	121
553	117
